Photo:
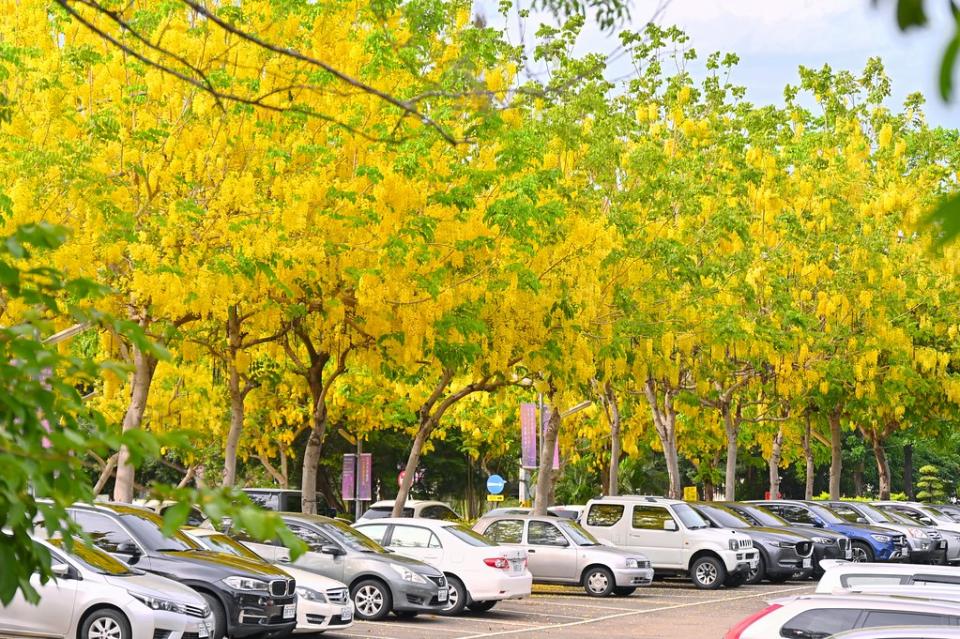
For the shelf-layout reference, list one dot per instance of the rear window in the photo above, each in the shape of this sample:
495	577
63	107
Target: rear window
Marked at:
604	515
468	536
379	512
900	618
505	531
849	581
820	623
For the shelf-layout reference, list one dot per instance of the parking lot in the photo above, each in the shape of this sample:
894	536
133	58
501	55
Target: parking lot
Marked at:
665	610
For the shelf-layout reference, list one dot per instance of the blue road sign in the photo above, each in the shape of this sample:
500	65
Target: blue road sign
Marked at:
495	484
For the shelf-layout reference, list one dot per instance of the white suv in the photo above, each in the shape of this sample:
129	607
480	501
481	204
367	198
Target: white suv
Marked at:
674	538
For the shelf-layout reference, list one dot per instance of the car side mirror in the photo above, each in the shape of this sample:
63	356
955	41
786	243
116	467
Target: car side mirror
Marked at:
332	550
861	520
128	548
64	571
670	525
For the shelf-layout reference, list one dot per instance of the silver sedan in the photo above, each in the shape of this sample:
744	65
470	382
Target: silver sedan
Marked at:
559	551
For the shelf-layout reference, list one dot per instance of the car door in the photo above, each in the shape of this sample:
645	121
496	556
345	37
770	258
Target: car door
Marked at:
505	531
52	616
109	536
416	542
314	559
650	532
550	555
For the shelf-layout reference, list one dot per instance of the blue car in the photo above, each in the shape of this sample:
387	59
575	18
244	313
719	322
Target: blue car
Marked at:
870	543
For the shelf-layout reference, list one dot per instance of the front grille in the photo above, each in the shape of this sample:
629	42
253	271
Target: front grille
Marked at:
844	543
316	619
899	541
337	595
197	611
643	563
804	548
746	543
283	587
440	580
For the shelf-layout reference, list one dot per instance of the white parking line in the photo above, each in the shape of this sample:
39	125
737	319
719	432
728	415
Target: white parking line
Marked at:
538	614
632	613
416	626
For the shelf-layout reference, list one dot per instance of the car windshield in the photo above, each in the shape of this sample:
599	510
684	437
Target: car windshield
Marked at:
689	517
224	544
827	515
723	516
379	512
468	536
147	528
938	514
351	537
761	516
579	536
899	518
94	559
877	514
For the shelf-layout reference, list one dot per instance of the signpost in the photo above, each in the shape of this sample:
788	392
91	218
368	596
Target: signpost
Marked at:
356	478
495	486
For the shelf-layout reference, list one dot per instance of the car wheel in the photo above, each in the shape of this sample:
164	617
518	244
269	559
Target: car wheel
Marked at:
481	606
219	629
105	624
598	581
372	600
624	591
708	573
862	553
757	574
456	597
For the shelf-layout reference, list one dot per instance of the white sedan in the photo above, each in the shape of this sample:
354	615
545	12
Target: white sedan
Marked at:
94	596
322	603
480	572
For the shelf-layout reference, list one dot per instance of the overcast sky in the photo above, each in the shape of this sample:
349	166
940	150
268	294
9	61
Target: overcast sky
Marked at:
774	37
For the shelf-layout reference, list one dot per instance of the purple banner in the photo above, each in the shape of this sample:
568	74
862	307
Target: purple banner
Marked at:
556	447
365	478
348	477
528	435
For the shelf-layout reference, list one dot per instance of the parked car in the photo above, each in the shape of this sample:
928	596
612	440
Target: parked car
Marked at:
952	510
322	603
927	515
282	500
246	597
783	554
819	616
901	632
567	512
560	551
412	508
380	581
195	516
479	571
826	544
841	575
674	538
927	545
868	543
94	596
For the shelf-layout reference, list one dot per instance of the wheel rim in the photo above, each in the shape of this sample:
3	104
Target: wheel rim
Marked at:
706	573
597	582
105	628
453	597
369	600
859	555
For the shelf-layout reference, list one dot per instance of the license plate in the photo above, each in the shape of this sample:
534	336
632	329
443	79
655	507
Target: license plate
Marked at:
807	563
516	565
442	594
346	614
290	611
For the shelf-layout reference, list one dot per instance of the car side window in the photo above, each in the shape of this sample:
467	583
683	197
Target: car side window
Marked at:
604	515
439	512
268	501
901	618
820	623
505	531
541	533
315	541
650	517
791	513
106	534
850	581
413	537
846	512
375	532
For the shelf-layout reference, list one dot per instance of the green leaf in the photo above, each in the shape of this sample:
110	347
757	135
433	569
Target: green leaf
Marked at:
910	13
174	517
947	217
947	65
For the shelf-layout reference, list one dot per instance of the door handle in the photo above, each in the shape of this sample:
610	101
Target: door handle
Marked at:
530	552
284	560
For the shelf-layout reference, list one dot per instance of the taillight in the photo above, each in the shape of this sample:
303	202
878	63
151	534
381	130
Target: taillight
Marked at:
737	630
497	562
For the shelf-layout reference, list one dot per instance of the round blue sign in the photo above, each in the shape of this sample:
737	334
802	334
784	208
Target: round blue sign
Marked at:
495	484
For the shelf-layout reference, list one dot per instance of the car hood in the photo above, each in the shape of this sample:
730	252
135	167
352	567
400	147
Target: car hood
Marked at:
156	586
238	565
311	579
764	534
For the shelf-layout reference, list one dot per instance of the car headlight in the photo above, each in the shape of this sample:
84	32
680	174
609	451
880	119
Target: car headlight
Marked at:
823	540
408	575
156	603
734	544
246	583
784	544
883	539
309	594
632	563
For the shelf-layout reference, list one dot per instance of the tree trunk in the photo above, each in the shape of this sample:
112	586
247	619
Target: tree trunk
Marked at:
545	476
410	470
774	464
665	422
808	457
836	458
237	397
311	461
908	470
318	431
858	479
883	468
144	366
614	477
731	426
106	474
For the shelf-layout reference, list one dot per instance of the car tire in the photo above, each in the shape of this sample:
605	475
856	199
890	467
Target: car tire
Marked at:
862	552
624	591
598	581
481	606
456	597
371	599
756	576
219	630
708	572
105	623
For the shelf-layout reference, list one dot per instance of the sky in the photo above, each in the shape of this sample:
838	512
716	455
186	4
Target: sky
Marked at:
774	37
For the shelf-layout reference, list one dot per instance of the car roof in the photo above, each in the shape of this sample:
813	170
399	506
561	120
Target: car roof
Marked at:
117	508
551	518
410	503
901	632
270	490
890	568
653	499
888	602
195	531
317	519
411	521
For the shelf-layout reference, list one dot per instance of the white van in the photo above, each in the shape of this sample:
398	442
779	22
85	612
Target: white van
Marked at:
674	538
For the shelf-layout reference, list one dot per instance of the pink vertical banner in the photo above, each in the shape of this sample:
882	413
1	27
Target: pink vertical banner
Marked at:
365	477
528	435
348	477
556	447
